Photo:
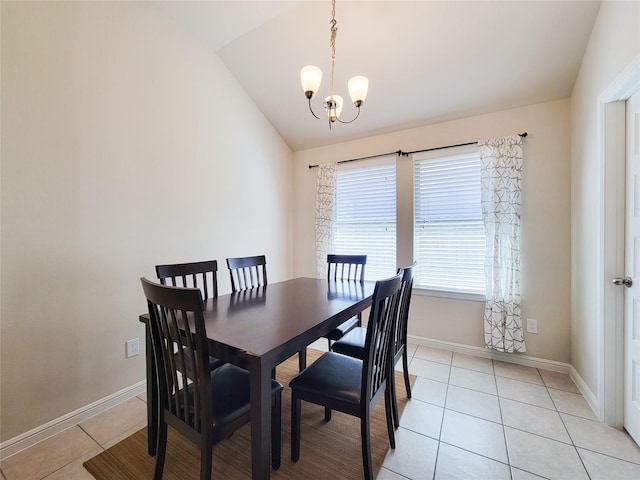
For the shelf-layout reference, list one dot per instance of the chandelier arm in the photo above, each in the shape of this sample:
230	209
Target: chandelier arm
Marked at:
352	120
311	110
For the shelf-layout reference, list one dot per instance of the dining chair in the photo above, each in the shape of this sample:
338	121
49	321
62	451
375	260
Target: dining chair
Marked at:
353	343
212	404
247	272
251	272
350	268
202	275
350	385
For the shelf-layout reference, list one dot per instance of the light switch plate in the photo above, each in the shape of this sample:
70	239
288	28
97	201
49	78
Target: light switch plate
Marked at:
132	348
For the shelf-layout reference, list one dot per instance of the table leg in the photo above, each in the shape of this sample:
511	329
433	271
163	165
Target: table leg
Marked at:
260	418
152	395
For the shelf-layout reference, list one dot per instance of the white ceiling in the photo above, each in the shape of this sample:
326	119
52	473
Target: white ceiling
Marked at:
427	61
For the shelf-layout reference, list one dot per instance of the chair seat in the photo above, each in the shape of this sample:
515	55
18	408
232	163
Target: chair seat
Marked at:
213	364
343	329
352	344
333	376
230	391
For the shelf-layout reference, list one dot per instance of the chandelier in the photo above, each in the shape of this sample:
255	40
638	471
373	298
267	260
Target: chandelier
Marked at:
311	77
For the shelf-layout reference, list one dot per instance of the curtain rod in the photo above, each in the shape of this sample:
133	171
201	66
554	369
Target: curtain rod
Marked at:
397	152
406	154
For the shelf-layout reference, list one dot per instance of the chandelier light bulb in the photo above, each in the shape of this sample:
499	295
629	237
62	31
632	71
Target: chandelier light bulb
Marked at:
310	76
358	87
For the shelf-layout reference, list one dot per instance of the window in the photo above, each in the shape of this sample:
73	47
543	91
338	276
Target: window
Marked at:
449	238
366	217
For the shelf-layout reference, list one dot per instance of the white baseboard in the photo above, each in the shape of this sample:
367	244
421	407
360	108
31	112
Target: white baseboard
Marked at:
518	358
588	395
49	429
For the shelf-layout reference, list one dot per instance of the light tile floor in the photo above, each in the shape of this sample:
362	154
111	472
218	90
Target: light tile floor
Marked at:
474	418
469	418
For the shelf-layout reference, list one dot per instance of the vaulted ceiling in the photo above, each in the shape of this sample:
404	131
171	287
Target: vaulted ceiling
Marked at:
427	61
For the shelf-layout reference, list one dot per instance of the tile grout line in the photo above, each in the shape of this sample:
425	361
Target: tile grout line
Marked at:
565	427
444	412
608	456
91	437
504	432
75	459
409	360
573	444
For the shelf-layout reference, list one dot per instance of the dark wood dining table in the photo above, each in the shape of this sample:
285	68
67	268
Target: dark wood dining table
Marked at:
259	329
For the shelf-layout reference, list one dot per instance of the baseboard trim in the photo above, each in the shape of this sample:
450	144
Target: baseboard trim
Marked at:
587	394
517	358
49	429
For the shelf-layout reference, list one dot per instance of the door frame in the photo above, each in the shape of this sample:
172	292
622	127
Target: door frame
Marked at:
611	252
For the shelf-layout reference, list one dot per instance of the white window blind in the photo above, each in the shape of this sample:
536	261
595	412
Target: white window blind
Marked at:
449	237
366	217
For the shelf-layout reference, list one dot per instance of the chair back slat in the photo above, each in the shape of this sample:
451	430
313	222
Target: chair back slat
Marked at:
247	272
202	275
379	339
346	267
179	342
406	289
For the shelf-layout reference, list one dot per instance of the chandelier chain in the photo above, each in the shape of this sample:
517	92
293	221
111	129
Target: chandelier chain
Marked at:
332	40
332	45
334	29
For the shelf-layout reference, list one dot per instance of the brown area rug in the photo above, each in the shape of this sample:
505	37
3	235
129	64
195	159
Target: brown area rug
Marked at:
328	450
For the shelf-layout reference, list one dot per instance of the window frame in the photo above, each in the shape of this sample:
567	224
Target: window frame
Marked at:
423	290
390	160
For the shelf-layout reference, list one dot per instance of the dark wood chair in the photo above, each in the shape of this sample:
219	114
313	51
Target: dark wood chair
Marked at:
201	275
345	267
213	403
251	272
351	385
353	343
247	272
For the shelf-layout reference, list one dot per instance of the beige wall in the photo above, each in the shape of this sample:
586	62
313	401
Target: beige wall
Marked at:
97	150
545	221
125	143
614	43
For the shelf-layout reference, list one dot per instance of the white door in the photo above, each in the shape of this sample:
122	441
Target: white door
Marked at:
632	265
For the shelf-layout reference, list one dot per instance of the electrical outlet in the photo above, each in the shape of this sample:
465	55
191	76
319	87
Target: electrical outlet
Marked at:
532	325
133	348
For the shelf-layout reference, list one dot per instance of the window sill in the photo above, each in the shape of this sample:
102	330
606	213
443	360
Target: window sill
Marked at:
472	297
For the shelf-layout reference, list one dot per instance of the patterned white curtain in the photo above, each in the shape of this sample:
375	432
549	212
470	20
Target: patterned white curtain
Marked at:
325	214
501	177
